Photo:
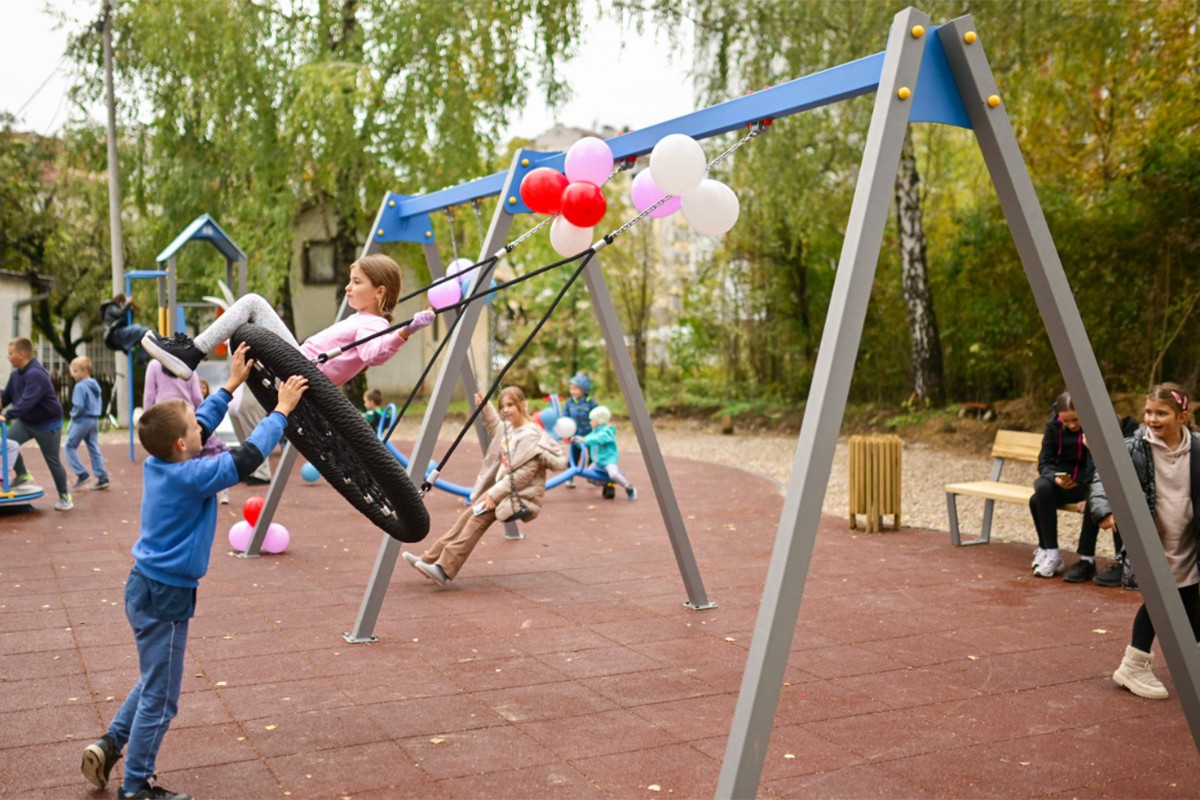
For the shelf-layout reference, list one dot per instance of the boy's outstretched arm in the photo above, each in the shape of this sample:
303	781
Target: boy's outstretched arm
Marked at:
239	368
289	394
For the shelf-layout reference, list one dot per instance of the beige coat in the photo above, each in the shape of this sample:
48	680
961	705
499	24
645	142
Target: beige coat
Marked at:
533	453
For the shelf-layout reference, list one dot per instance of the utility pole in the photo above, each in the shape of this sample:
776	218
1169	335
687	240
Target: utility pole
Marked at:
116	238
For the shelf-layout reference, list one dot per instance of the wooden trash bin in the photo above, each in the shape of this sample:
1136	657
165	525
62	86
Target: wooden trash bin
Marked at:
875	480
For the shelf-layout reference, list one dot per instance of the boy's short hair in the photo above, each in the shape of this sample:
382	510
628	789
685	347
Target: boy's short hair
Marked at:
600	415
162	425
375	396
22	346
82	363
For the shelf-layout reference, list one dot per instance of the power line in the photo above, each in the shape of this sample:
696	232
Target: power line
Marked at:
38	90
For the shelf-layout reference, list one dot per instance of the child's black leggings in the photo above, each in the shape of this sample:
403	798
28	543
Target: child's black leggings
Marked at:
1047	497
1143	628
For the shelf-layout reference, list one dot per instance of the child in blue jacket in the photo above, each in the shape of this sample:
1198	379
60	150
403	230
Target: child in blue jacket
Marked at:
86	405
602	443
178	525
578	408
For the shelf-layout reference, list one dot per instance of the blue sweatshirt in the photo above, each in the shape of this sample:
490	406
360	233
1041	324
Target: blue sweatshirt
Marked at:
33	398
179	501
85	399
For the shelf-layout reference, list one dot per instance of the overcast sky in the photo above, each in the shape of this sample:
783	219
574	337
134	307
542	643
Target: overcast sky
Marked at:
636	84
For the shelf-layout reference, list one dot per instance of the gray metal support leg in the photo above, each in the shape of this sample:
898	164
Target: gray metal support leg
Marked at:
454	360
1076	358
639	415
788	570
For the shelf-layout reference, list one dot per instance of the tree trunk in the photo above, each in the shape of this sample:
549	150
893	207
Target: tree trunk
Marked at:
926	349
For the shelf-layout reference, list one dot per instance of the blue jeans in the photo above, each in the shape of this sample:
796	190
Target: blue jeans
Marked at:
153	702
129	336
85	429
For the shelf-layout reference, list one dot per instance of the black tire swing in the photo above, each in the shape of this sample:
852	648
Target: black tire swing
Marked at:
328	430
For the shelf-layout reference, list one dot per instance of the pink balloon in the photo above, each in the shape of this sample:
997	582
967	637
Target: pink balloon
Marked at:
277	539
645	193
462	269
239	535
445	294
590	160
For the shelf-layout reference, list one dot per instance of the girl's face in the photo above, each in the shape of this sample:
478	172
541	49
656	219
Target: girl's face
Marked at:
361	294
513	412
576	392
1162	418
1070	421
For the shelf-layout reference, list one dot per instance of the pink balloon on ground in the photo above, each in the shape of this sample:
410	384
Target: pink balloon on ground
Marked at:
645	193
239	535
277	539
445	294
589	159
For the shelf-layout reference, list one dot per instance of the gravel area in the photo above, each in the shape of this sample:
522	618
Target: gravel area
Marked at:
925	471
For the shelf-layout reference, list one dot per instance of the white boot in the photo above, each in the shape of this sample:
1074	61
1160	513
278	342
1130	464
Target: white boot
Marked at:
1136	674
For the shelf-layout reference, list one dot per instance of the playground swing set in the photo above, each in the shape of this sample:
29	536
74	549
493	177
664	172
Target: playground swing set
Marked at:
926	73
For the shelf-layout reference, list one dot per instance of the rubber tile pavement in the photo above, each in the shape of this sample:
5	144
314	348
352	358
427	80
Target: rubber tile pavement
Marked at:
566	664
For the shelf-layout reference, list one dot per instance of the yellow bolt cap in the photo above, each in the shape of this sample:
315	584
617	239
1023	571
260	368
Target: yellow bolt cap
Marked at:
970	37
512	201
918	31
428	234
994	100
524	162
904	93
379	232
391	203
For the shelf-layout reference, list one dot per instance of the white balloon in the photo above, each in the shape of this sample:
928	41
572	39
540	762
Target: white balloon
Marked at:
712	209
564	428
568	239
462	268
677	164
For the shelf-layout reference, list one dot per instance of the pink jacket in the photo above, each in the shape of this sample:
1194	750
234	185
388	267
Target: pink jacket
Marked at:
351	329
162	385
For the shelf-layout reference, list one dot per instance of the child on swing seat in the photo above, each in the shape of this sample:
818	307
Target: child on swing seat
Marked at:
602	443
372	292
510	485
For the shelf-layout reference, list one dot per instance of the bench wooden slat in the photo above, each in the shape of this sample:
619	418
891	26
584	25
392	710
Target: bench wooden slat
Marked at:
1017	445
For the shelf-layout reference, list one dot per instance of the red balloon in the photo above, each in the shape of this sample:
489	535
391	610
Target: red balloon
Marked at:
542	190
253	508
583	204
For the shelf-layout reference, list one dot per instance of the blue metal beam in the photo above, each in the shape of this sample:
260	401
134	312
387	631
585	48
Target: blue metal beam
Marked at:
936	99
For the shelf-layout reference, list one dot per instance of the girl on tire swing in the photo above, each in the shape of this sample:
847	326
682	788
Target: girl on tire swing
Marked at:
372	292
510	485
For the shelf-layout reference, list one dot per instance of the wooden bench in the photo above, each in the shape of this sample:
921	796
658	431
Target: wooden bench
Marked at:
1009	446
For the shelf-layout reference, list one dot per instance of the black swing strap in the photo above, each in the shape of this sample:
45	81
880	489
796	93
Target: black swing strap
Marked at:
587	256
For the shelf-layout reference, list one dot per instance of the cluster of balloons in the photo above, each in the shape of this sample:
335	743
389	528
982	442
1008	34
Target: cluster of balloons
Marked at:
309	473
276	540
563	427
678	168
574	196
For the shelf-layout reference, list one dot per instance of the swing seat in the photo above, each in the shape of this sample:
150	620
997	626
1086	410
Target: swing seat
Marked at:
328	430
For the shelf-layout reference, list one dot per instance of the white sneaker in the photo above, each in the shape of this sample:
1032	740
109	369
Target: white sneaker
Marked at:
1049	566
64	503
411	558
1037	558
432	571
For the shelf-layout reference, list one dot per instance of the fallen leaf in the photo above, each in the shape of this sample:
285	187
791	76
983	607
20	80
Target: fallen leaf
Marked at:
789	755
1099	630
654	787
973	658
437	740
222	683
270	727
729	639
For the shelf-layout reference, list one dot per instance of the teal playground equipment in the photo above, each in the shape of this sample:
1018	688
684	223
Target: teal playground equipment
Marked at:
10	495
926	73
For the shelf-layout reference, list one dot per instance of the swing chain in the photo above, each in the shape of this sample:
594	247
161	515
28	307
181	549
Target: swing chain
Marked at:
508	248
449	210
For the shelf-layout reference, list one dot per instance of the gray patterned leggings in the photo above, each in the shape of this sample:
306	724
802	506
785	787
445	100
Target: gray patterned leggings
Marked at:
248	308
